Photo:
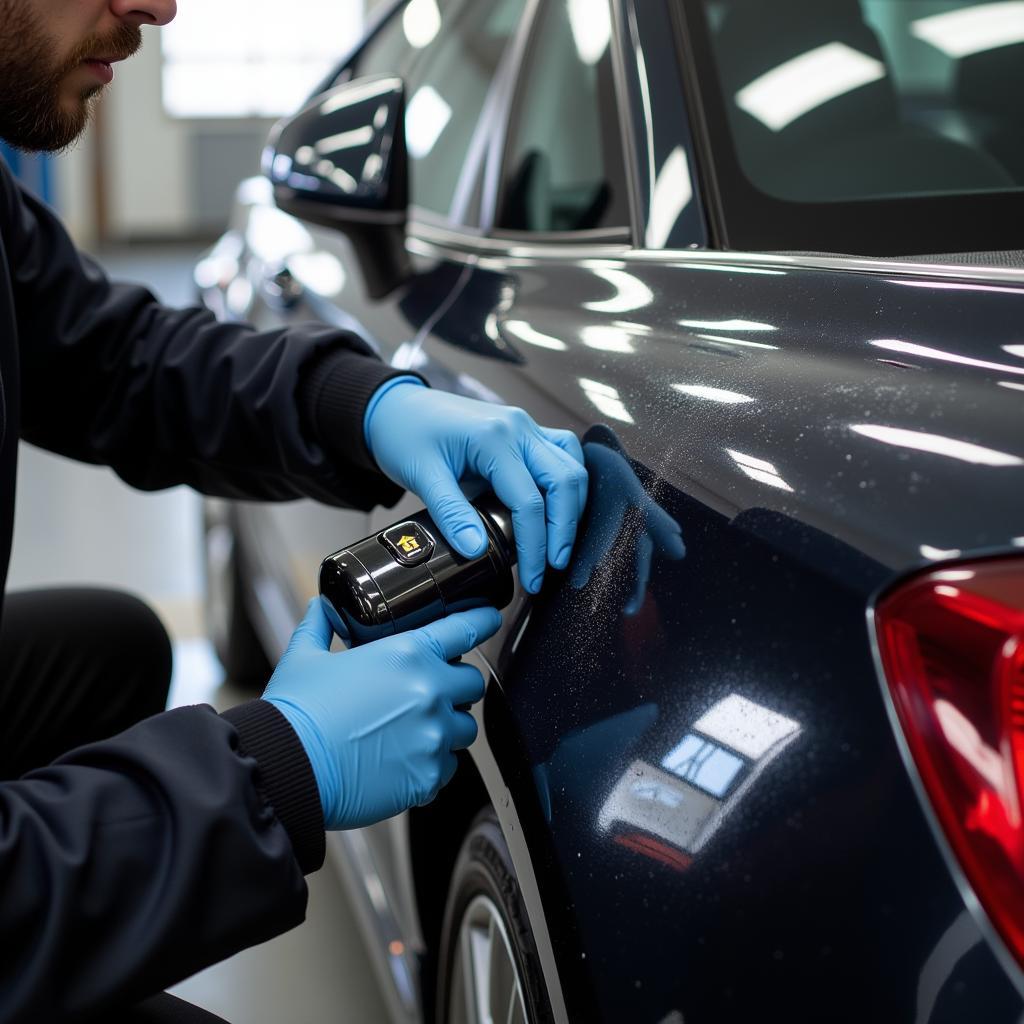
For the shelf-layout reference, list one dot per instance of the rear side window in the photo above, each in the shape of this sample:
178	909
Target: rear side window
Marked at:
446	89
564	169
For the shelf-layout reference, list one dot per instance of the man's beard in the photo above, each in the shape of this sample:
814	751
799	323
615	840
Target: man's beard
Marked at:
32	115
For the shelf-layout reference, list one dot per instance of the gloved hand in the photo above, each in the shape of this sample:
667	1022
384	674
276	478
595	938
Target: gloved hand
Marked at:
378	723
618	495
427	441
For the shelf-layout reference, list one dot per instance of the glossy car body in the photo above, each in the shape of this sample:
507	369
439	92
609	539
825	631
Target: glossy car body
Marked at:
706	800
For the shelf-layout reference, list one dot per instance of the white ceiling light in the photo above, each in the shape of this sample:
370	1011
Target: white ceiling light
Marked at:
712	394
746	727
421	21
606	399
591	24
780	96
737	341
910	349
727	325
630	293
524	332
759	469
606	338
345	140
425	119
973	29
672	193
936	444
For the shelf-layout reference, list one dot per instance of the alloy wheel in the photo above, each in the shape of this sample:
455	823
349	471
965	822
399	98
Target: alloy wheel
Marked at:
486	988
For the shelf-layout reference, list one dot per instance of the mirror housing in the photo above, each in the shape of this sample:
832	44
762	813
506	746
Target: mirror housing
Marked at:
341	162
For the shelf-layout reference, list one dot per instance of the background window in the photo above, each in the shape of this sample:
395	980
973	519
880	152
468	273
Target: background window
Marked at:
564	170
253	58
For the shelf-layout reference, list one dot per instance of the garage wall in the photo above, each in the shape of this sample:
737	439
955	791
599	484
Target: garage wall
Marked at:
165	178
169	177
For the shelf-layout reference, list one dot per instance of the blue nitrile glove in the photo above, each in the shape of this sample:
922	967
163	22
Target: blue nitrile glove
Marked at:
379	723
428	441
616	493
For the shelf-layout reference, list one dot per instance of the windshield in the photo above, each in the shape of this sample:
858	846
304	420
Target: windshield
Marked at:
834	102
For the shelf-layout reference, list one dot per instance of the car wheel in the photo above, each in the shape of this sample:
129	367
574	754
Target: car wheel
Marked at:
488	969
228	625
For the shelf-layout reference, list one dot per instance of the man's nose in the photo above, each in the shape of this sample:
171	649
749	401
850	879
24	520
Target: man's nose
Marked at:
145	12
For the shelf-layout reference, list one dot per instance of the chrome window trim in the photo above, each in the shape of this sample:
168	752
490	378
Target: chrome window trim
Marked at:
624	112
583	245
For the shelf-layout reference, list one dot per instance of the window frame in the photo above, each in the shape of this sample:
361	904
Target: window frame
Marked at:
626	234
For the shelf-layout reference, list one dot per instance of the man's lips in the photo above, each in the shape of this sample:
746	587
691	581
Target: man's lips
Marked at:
101	67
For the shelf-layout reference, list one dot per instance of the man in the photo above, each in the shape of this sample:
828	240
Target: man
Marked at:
132	855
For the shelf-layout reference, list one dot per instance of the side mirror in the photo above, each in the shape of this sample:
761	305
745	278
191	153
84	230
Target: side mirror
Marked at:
341	162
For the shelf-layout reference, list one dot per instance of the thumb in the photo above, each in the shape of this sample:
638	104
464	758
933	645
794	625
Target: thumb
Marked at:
314	631
455	516
459	633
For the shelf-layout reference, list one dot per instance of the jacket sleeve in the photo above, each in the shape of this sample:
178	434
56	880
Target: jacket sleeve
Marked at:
170	396
132	863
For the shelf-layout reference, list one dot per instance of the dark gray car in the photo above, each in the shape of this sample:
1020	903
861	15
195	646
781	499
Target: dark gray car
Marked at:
765	259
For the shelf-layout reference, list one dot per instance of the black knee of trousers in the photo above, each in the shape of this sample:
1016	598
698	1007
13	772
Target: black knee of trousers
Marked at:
76	665
140	651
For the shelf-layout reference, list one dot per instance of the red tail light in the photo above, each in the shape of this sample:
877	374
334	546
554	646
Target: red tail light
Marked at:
952	647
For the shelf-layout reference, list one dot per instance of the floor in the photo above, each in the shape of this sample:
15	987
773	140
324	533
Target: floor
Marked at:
80	524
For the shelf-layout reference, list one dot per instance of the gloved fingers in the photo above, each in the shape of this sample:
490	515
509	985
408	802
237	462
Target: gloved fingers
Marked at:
564	481
462	731
448	506
464	685
667	533
439	778
644	553
517	491
459	633
314	631
566	440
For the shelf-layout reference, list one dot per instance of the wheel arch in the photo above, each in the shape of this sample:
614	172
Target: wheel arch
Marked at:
437	830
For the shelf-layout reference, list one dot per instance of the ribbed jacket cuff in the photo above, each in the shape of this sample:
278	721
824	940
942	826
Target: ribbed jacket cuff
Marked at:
335	393
285	777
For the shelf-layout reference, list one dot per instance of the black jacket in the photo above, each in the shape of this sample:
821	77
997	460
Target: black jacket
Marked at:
129	864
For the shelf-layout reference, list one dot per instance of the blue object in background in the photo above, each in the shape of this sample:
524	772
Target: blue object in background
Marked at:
34	169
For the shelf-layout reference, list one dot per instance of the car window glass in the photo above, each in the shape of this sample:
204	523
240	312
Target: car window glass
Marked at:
389	51
564	170
832	100
463	42
446	90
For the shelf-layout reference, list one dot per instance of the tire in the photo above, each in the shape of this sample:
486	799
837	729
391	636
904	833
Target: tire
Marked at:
228	625
485	923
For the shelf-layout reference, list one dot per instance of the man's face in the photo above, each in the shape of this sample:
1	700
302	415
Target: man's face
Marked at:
55	58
